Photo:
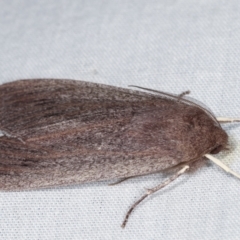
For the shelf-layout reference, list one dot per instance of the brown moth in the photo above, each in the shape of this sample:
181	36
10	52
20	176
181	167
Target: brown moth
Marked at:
61	132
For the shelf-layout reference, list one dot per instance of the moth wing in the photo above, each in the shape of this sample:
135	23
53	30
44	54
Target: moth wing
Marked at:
33	166
59	132
28	106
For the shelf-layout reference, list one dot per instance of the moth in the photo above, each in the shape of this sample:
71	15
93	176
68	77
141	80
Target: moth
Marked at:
61	132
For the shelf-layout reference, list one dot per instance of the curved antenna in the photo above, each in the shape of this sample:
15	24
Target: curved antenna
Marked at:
182	99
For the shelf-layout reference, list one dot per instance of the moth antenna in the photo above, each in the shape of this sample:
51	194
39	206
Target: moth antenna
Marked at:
182	95
221	165
178	99
153	190
227	120
119	181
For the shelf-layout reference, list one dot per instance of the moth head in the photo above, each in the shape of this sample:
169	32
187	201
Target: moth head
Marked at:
217	149
221	140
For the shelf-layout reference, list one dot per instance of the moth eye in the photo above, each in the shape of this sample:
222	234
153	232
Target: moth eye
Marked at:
217	149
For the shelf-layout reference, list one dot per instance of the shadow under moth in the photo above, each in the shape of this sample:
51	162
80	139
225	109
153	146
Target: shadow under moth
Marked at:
61	132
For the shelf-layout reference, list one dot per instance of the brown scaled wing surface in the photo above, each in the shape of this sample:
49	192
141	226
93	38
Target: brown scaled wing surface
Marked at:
59	132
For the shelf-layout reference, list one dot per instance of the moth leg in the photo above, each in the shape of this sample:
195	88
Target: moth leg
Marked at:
153	190
227	120
119	181
221	165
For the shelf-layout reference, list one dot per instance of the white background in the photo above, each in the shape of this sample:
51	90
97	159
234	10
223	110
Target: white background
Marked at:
171	46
